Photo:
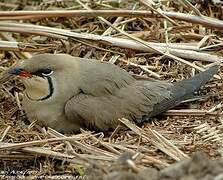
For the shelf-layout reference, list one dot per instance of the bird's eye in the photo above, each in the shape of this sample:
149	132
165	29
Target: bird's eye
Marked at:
46	72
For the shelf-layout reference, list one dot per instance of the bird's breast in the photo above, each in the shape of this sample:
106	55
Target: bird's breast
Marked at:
49	114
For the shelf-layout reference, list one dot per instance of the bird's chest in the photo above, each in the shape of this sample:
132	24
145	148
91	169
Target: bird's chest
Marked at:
47	114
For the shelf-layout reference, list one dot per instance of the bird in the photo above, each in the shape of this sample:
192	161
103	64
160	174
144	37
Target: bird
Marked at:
68	93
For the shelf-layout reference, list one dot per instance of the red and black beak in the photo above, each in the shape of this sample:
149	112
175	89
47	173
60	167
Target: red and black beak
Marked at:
14	71
20	72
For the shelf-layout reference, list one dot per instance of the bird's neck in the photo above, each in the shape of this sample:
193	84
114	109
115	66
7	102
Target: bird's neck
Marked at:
37	88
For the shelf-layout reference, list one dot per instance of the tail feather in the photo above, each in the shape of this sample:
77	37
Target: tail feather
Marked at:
182	89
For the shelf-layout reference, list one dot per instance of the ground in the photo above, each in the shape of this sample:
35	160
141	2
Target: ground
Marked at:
164	147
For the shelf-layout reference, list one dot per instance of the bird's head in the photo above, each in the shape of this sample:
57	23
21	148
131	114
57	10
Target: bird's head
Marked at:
40	74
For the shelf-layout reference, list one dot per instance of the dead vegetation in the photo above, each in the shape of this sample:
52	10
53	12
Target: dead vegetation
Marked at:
166	40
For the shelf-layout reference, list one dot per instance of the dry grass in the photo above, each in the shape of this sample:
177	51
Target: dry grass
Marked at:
150	42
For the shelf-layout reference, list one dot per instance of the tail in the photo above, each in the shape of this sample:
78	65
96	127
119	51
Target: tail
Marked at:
182	89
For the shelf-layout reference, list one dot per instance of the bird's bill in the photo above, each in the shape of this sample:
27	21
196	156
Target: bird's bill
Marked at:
14	71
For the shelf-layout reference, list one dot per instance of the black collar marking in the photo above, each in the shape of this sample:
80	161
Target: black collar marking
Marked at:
51	89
